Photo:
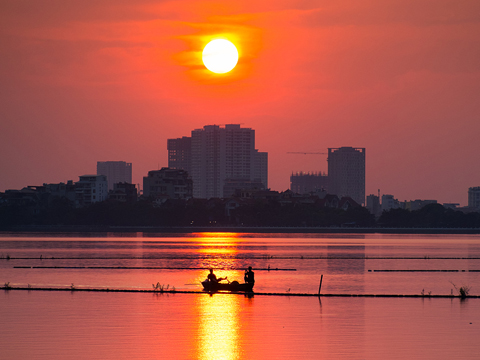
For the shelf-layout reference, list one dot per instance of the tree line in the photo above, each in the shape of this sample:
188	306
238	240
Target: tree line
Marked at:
200	212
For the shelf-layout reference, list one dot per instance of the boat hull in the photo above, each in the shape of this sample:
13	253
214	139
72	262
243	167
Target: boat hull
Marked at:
233	286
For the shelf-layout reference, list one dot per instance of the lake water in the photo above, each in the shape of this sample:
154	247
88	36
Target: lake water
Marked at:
93	325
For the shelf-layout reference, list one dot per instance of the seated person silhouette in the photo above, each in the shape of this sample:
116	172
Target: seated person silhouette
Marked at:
249	276
213	278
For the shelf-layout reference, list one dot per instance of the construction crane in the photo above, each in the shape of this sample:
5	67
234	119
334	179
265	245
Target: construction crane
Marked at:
307	153
229	124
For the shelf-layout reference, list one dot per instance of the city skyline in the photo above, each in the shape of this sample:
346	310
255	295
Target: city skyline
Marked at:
83	82
177	149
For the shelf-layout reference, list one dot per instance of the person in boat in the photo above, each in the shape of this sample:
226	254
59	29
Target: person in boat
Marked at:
213	278
249	276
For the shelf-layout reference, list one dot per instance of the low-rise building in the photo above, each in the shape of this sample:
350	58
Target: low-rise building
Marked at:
62	190
347	202
167	184
452	206
90	189
305	183
28	196
413	205
389	203
123	192
373	205
232	187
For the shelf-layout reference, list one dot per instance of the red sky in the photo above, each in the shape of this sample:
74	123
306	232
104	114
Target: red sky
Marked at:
83	81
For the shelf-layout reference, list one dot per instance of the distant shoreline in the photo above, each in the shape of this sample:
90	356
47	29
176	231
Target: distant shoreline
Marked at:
233	229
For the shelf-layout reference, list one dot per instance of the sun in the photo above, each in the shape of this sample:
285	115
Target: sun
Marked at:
220	56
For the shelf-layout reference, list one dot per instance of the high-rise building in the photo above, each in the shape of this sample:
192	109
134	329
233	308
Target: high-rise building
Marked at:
220	154
474	197
260	171
305	183
346	172
179	153
216	158
115	171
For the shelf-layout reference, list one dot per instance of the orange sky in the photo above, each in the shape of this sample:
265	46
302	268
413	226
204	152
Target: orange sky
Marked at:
83	81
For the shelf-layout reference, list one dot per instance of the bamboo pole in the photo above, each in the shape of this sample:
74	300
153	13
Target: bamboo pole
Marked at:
320	286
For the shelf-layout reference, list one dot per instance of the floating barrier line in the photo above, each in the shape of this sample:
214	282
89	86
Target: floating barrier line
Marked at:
258	257
402	270
238	293
143	268
201	268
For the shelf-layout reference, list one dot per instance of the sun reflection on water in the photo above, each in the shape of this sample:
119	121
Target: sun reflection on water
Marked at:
219	248
218	315
217	243
218	334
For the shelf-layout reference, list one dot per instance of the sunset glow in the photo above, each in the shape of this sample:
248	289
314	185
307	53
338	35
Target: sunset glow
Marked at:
397	78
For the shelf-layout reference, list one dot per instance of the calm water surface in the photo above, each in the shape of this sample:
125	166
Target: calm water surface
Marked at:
85	325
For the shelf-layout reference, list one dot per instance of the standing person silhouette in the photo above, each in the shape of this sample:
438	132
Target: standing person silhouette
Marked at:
249	276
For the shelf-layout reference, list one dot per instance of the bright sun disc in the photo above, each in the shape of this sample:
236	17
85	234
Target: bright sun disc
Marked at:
220	56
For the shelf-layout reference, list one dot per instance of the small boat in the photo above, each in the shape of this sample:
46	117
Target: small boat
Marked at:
230	286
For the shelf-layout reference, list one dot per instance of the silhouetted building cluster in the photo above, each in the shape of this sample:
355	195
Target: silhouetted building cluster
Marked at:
88	190
346	175
274	201
112	182
36	205
216	176
389	202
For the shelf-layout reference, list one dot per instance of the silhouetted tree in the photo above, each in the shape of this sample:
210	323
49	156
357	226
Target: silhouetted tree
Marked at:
396	218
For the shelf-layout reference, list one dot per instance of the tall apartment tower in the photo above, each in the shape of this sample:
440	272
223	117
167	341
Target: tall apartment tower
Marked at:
474	197
346	172
260	170
115	171
221	154
180	153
